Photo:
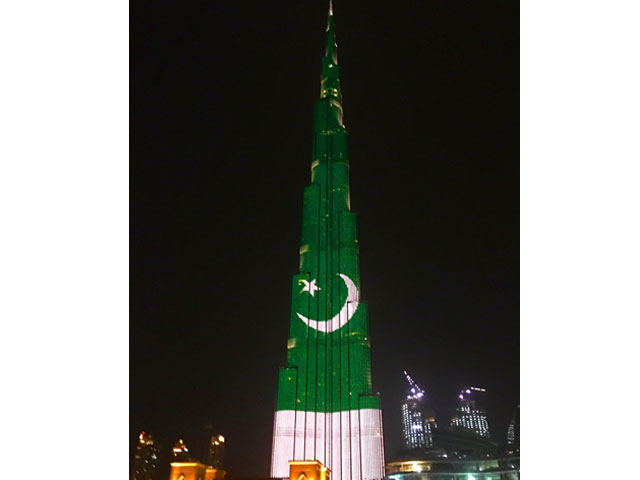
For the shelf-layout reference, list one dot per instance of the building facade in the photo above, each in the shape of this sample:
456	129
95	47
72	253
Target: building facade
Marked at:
194	470
326	409
513	432
418	421
494	468
215	456
470	416
180	452
145	460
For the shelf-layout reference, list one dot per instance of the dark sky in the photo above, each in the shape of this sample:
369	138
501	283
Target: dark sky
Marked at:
222	97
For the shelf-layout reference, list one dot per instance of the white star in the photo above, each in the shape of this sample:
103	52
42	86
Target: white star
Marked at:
310	287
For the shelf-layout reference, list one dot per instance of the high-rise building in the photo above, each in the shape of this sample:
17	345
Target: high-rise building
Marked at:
513	432
145	460
181	452
326	408
470	416
418	421
215	457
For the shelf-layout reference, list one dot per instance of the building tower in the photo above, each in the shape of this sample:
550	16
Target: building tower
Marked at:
418	421
513	432
215	457
326	409
470	416
181	452
145	460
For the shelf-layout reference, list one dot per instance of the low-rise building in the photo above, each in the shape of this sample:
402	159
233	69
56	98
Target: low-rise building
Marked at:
489	468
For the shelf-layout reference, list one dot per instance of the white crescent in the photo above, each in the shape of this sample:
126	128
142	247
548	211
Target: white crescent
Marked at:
343	316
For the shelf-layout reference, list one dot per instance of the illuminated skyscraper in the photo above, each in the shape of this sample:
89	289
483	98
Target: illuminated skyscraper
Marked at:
145	460
326	408
215	457
181	452
418	421
470	416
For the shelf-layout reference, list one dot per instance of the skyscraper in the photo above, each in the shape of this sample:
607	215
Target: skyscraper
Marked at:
215	457
513	432
181	452
326	408
418	421
470	416
145	460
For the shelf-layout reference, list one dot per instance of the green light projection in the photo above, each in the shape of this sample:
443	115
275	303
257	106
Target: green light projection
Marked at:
329	360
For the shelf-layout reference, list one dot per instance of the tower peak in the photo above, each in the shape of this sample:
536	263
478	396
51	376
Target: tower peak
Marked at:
330	82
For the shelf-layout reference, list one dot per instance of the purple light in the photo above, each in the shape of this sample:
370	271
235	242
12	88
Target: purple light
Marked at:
460	397
468	391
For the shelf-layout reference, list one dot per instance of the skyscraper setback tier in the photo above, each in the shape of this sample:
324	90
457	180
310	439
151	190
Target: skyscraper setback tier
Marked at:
326	409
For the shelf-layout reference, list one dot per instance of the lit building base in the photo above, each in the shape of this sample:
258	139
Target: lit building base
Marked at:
308	470
487	468
323	436
194	470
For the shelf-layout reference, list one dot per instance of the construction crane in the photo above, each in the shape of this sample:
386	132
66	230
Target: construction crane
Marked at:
416	391
468	390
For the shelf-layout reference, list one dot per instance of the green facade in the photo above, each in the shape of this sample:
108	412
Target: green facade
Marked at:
328	371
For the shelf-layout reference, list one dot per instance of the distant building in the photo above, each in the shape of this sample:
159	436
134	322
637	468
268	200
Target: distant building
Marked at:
412	426
468	415
194	470
493	468
430	426
185	467
181	452
145	460
215	457
418	422
513	432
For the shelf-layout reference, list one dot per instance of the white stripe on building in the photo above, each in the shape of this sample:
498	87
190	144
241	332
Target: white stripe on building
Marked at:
348	443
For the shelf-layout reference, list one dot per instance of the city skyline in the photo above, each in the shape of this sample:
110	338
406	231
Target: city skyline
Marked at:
218	163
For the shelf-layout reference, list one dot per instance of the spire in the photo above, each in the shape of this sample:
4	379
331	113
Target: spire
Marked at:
330	83
330	51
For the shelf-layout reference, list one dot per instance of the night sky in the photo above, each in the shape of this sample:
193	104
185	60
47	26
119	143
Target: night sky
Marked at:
222	98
